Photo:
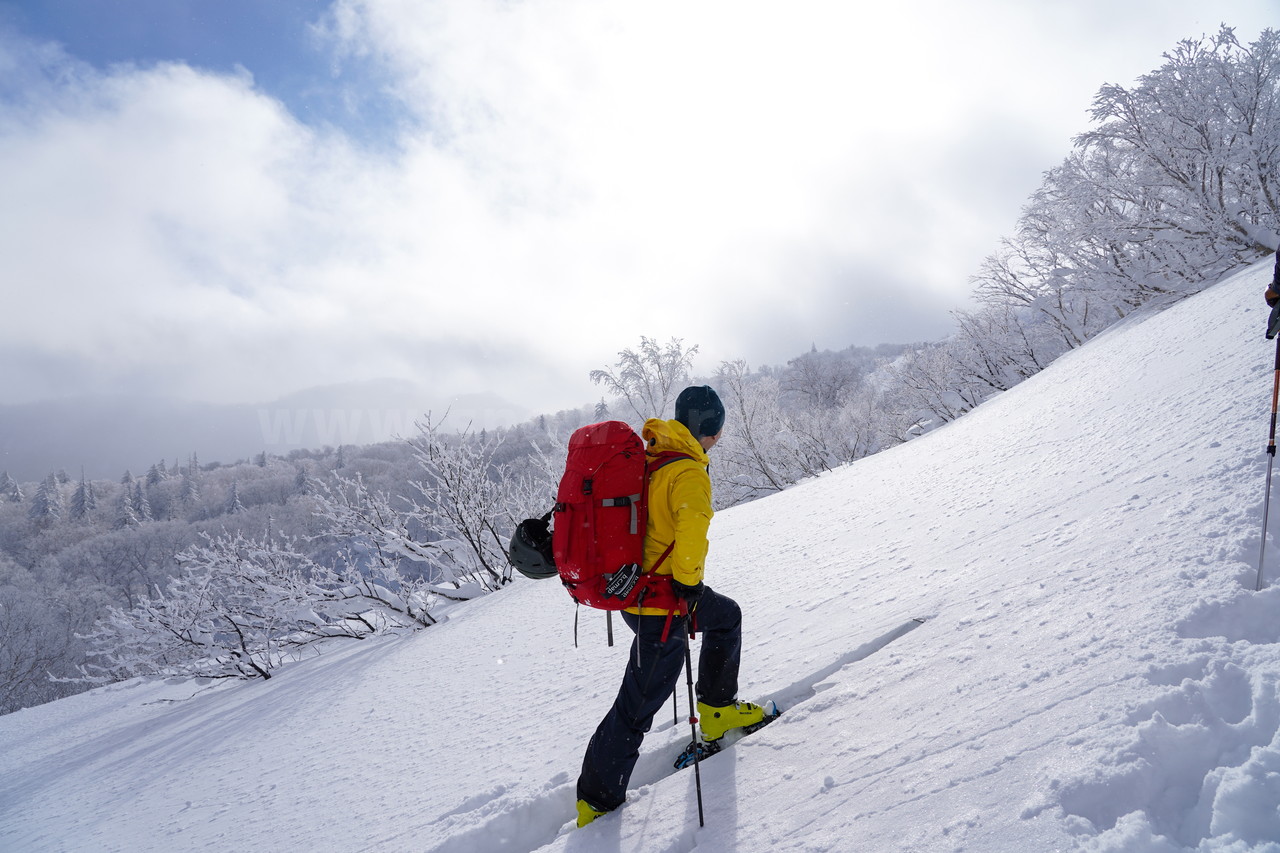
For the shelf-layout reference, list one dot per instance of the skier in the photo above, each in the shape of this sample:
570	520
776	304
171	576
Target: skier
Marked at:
1272	296
680	512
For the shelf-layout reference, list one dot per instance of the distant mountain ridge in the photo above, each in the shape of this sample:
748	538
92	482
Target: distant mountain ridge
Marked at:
107	435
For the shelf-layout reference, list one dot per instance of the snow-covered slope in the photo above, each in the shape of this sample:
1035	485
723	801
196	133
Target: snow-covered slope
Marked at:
1094	670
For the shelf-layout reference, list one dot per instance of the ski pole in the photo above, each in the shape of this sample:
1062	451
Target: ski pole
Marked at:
1271	456
693	723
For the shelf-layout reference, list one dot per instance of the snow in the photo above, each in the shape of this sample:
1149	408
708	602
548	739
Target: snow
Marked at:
1094	672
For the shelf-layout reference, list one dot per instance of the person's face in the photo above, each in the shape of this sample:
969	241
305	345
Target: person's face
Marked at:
709	441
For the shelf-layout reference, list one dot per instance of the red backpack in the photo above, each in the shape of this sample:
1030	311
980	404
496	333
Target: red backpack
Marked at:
600	517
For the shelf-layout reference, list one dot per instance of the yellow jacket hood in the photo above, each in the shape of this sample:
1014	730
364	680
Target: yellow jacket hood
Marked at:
672	436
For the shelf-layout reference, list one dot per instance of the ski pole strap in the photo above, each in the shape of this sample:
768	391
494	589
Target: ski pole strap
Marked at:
666	627
691	620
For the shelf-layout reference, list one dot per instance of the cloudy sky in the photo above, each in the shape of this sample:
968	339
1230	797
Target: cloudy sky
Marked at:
232	200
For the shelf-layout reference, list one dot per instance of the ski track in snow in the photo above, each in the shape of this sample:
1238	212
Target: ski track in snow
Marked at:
495	823
492	822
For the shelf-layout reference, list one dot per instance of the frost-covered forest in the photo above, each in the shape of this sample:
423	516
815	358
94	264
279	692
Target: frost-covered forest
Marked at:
228	570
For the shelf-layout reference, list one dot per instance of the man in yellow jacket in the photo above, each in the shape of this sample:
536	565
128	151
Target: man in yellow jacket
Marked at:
680	513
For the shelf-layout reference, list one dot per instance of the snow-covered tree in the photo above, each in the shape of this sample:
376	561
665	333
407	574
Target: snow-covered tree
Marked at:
468	498
141	503
189	492
822	380
9	488
83	501
649	378
125	515
241	608
46	507
749	453
996	349
1176	184
928	385
302	483
232	504
1202	134
38	626
775	437
456	524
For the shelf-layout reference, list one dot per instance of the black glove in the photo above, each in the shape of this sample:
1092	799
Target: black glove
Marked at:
688	594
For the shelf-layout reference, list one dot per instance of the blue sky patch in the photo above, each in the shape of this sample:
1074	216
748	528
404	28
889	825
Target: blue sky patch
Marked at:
275	41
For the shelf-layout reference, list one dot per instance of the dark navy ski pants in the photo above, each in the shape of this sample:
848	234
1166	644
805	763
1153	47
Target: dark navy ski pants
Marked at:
653	669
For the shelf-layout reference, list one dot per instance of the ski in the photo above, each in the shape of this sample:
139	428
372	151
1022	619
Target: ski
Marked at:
702	750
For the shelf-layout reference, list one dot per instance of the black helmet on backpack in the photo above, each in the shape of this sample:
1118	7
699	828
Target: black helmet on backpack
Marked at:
699	408
530	550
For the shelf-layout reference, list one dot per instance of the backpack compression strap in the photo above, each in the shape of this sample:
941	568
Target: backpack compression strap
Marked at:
664	458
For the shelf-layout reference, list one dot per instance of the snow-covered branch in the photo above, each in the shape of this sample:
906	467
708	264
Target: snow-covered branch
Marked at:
240	608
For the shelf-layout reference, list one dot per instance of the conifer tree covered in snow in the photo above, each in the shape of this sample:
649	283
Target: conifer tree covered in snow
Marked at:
126	515
83	500
46	505
302	481
141	503
9	488
189	494
233	505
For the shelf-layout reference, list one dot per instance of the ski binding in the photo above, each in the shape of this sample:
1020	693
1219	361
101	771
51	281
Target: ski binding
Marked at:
700	750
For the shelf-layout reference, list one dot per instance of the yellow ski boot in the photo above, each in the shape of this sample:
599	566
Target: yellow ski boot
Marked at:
716	721
587	813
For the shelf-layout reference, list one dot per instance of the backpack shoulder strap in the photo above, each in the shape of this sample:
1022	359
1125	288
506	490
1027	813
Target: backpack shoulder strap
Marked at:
665	458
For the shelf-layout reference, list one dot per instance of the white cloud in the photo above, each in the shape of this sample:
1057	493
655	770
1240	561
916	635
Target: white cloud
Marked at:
751	177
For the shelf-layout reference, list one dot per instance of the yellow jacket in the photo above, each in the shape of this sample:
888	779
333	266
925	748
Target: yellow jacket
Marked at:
679	505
